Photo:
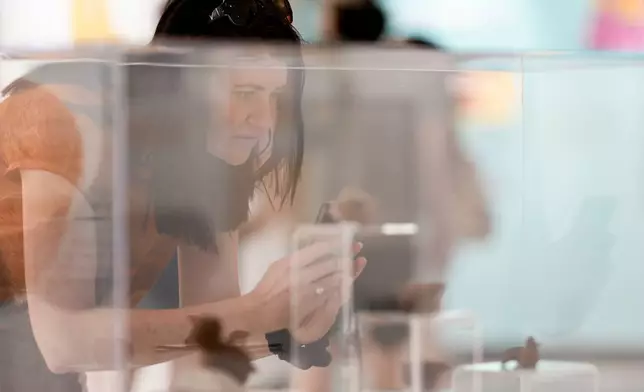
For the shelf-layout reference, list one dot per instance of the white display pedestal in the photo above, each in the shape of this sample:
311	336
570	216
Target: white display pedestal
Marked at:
549	376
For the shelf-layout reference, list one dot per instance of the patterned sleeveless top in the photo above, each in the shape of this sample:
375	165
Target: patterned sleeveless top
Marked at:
56	121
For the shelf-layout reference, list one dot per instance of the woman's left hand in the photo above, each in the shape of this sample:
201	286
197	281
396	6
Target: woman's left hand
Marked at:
320	321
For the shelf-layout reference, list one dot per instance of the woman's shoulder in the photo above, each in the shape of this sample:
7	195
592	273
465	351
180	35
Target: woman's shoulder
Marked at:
39	132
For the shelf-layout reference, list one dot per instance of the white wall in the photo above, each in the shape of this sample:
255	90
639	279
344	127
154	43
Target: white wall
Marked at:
45	24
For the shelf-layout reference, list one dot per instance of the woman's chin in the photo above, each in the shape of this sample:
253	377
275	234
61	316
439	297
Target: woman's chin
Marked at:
234	158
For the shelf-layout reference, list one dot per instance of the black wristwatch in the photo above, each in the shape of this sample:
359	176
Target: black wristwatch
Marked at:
302	356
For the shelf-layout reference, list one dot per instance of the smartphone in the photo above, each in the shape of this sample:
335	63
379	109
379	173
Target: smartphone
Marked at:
390	259
324	214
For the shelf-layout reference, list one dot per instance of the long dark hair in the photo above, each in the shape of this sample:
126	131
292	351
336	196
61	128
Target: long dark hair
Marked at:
193	193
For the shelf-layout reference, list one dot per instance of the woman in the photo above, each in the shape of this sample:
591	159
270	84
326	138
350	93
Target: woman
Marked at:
188	191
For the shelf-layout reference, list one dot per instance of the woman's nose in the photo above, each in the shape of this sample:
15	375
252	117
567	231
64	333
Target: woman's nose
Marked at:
262	113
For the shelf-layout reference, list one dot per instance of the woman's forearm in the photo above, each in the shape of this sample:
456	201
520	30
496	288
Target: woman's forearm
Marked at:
74	341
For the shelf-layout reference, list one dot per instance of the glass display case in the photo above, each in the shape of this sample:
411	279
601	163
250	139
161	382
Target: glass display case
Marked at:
559	262
556	262
161	153
494	194
383	150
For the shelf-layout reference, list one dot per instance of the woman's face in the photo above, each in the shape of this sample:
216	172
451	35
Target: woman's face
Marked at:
246	113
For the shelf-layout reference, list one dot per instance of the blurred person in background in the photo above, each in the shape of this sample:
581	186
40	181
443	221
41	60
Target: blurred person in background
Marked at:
385	285
56	318
361	21
356	21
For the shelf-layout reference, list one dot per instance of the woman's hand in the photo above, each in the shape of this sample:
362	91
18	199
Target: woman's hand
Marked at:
321	319
318	288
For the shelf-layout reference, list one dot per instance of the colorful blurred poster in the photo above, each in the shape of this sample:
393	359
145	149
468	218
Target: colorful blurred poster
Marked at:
619	25
488	98
61	24
91	21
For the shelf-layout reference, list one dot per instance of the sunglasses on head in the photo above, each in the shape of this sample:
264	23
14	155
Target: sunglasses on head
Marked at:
242	12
